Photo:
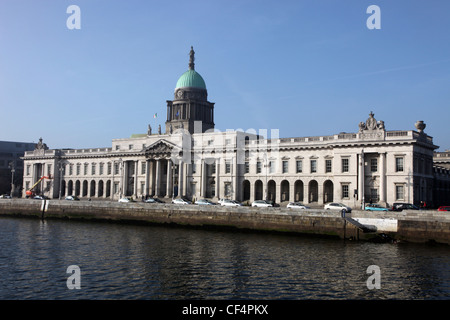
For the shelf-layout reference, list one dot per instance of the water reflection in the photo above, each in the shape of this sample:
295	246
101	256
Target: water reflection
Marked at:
143	262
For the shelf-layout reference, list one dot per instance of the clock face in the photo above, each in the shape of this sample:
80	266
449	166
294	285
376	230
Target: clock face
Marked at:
180	93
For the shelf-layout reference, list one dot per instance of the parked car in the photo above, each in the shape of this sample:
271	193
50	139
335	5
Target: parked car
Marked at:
297	205
38	197
72	198
180	201
126	199
5	196
337	206
399	206
375	207
261	203
153	200
205	202
444	208
231	203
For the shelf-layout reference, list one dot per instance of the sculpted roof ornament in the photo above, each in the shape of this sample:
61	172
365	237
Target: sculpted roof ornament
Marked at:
39	148
40	145
371	124
371	129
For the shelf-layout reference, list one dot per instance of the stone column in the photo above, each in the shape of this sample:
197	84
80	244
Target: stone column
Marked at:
361	179
217	178
383	178
235	175
306	198
169	179
135	185
124	178
320	192
202	179
291	191
88	188
180	178
157	177
147	177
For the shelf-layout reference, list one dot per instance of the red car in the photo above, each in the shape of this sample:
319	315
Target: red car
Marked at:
444	208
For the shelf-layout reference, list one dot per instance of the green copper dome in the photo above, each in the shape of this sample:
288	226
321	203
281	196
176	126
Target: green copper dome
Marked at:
191	78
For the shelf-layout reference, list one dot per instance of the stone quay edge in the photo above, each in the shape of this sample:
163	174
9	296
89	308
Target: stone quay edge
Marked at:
411	226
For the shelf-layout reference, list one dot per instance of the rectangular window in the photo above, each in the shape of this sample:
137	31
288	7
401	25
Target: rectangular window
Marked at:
49	169
271	166
399	192
399	164
85	169
299	166
71	169
328	165
28	170
247	167
116	187
130	146
142	187
213	168
109	168
227	167
78	169
117	147
143	167
345	191
345	166
93	169
100	169
116	168
373	165
313	166
285	166
258	167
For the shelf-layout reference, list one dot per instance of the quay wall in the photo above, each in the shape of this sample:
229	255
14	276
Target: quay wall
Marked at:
419	226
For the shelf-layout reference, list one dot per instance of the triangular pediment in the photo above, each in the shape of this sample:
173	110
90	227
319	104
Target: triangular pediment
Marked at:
161	148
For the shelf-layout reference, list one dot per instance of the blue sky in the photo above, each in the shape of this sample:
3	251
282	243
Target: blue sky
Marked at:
305	67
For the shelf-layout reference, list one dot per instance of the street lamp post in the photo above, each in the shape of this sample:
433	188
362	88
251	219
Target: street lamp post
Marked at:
61	170
11	165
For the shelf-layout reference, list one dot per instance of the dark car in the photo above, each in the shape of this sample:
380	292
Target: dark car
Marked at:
399	206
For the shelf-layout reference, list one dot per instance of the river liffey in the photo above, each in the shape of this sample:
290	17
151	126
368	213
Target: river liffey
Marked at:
66	260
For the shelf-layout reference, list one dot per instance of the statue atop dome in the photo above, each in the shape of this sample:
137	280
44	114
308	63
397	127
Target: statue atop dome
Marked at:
191	59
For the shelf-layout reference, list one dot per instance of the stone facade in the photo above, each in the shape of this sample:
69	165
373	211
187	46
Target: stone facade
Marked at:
193	160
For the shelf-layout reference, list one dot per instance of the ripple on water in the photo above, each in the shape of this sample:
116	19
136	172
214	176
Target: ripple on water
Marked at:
143	262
